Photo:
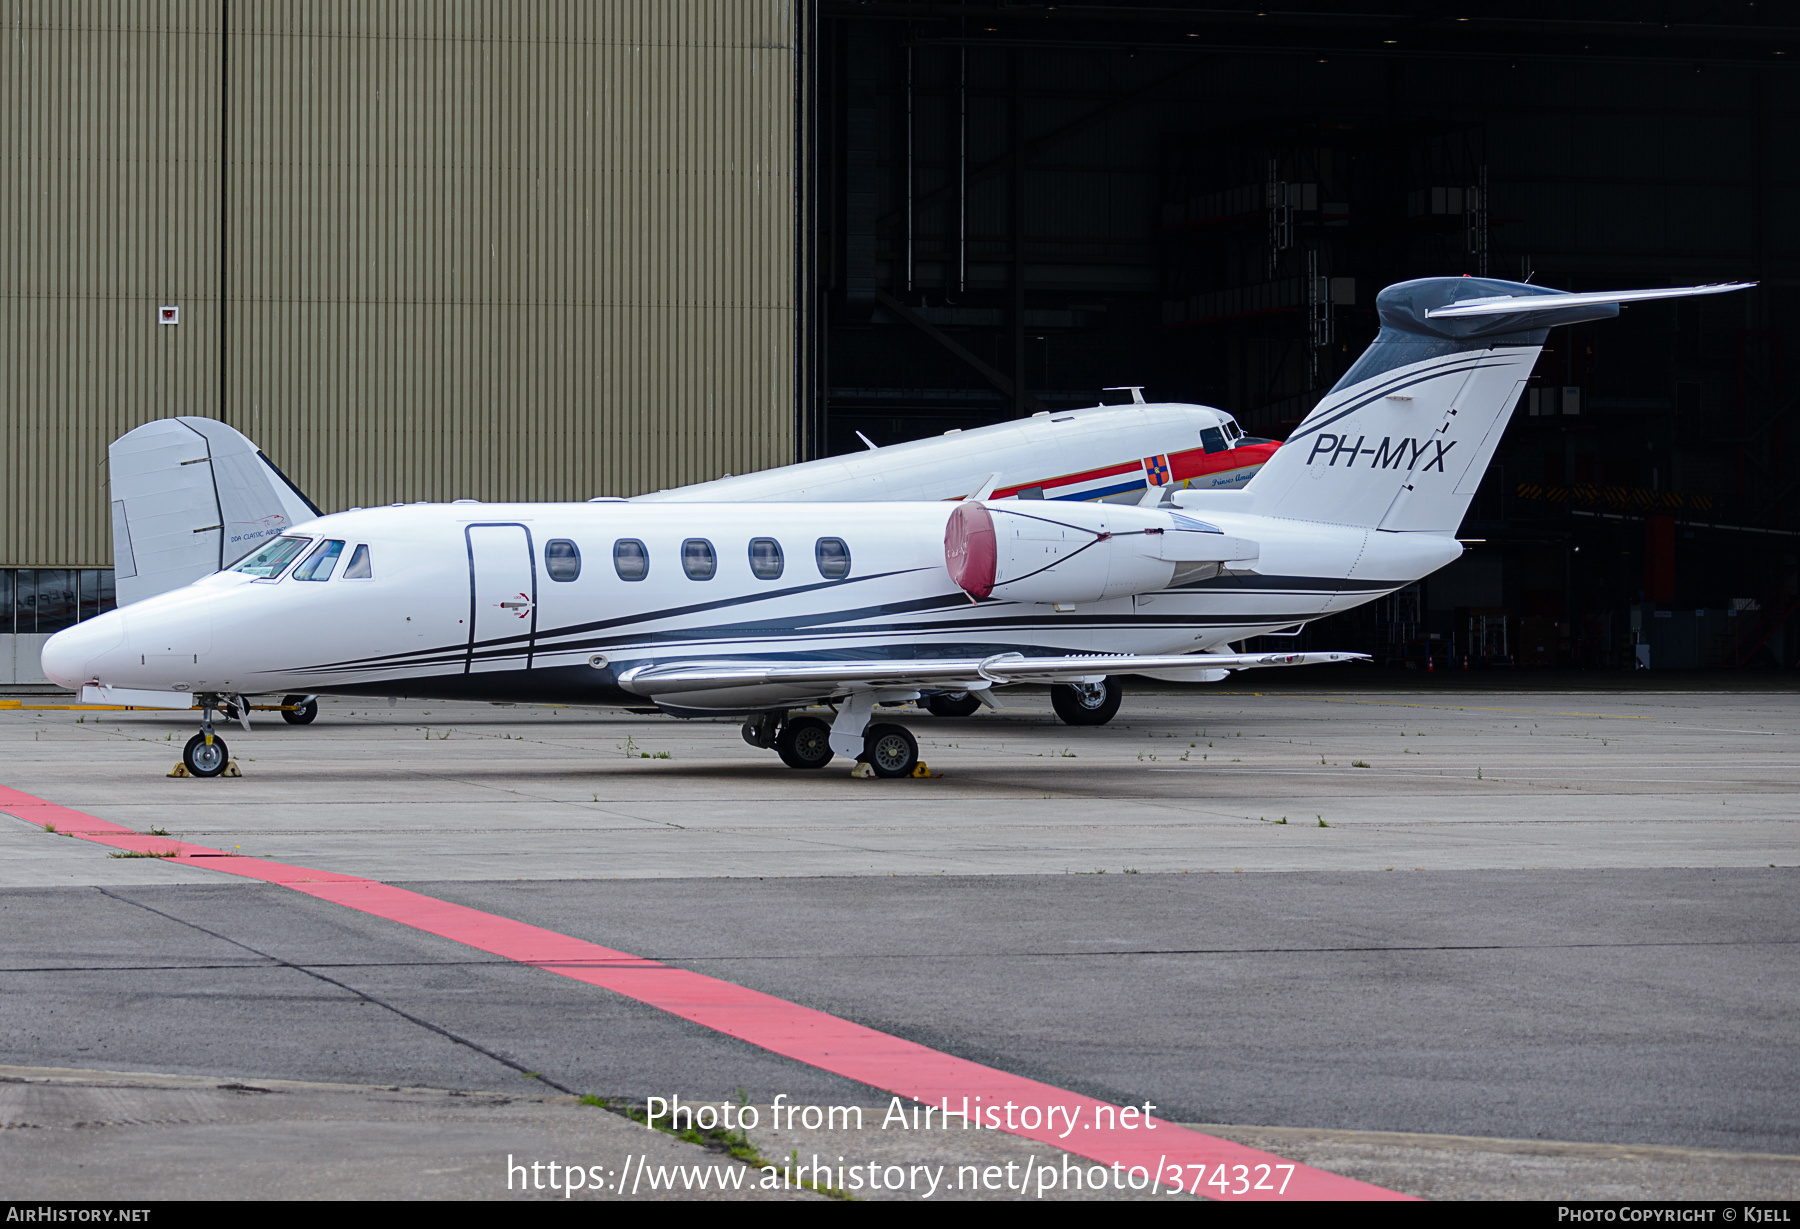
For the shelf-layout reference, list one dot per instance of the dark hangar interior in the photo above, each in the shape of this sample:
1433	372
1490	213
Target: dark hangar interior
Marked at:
1016	206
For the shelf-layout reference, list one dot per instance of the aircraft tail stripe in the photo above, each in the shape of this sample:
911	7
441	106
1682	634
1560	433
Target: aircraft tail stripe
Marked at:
791	1030
1331	416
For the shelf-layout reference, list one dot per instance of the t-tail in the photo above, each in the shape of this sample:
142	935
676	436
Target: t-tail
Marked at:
1402	441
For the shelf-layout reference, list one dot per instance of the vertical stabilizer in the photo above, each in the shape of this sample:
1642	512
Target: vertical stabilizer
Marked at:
1403	440
189	496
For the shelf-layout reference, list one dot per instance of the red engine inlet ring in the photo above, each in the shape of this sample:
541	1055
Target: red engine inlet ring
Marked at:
969	551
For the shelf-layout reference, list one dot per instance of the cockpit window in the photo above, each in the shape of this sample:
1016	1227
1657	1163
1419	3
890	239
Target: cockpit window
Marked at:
1233	432
1213	440
270	558
359	568
319	564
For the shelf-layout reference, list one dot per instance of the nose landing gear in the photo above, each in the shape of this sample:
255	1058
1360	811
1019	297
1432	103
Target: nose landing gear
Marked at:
206	754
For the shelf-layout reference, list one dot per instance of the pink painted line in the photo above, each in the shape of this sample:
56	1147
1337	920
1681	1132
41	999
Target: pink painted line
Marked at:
1176	1155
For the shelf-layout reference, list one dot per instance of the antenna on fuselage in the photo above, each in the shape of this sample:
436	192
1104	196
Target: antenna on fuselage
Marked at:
1136	391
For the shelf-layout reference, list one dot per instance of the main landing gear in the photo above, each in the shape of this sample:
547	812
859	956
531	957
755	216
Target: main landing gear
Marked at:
299	710
809	742
1087	703
951	703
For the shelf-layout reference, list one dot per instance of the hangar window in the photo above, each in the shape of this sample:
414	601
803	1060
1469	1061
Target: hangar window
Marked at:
1213	440
765	558
562	559
270	559
319	564
697	559
359	568
833	557
631	559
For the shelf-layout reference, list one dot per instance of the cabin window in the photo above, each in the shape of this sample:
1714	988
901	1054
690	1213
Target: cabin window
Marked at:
562	559
833	557
1213	440
359	568
697	559
765	558
631	559
319	564
269	559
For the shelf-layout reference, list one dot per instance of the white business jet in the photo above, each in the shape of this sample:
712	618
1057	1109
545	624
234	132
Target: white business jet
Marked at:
762	609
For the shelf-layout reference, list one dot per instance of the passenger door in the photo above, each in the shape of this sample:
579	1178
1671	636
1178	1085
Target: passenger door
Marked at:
502	598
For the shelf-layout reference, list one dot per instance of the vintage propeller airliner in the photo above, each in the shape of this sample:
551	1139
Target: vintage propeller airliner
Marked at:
761	609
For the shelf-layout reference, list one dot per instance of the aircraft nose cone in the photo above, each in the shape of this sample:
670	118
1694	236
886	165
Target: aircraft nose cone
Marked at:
69	656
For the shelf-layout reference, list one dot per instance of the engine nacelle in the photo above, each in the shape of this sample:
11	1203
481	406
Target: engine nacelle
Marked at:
1066	553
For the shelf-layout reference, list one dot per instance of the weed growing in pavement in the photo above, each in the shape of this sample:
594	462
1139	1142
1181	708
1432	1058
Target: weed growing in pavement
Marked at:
49	827
158	832
735	1144
1322	822
1359	763
154	853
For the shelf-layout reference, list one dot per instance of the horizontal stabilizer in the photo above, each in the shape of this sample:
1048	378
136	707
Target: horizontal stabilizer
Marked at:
824	678
1506	305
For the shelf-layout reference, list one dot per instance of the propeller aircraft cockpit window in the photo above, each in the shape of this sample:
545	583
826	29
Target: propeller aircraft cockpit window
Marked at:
269	560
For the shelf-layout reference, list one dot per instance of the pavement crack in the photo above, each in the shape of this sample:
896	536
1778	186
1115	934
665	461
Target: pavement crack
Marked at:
408	1016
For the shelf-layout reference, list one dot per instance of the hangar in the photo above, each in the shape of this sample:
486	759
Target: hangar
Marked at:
556	250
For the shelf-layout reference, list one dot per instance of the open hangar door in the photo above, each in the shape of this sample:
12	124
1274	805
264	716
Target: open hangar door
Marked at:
1018	207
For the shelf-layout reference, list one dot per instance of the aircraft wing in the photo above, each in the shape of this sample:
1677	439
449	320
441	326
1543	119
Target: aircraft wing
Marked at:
825	677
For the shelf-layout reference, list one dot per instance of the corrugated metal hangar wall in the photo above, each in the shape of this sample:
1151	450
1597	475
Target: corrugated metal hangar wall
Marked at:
538	250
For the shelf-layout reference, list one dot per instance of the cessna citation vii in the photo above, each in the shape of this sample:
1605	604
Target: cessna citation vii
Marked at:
761	609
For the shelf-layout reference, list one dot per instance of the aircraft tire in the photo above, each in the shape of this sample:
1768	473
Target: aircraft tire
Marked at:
951	704
1092	704
804	742
203	760
890	750
299	710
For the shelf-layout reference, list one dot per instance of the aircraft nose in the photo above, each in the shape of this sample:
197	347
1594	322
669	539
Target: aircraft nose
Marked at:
70	655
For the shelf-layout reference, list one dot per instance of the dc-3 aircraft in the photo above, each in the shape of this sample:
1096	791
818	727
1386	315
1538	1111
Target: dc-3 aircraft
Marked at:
758	609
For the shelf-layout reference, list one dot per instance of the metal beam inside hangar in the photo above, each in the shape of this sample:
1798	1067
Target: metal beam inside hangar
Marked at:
1020	205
